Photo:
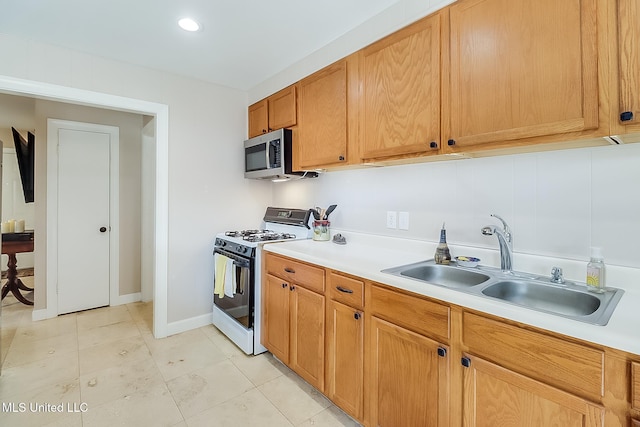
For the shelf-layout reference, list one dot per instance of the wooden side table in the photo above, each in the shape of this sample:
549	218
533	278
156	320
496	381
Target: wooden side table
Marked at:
12	244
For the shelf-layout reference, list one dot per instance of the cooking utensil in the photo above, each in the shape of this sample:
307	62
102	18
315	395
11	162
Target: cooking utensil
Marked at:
328	211
315	213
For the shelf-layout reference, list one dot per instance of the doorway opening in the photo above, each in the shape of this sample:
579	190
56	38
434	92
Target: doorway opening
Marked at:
154	279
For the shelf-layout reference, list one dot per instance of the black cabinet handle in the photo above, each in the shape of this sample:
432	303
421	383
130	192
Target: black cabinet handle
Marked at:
433	144
290	270
103	229
264	131
345	290
451	142
284	285
341	158
466	362
292	288
357	316
626	116
442	352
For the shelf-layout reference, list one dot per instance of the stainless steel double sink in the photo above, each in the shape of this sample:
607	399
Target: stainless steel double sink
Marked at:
570	299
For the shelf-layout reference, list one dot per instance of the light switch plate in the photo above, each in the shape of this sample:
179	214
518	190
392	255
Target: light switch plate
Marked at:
403	220
392	219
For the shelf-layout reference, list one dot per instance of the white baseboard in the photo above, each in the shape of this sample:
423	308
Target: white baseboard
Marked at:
189	324
42	314
128	299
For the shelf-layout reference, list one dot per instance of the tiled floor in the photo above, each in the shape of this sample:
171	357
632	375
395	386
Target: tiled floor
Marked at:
106	369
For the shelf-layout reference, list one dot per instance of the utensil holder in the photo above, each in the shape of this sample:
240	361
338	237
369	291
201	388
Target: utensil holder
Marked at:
321	230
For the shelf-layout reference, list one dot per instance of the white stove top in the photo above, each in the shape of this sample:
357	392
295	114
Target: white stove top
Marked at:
271	232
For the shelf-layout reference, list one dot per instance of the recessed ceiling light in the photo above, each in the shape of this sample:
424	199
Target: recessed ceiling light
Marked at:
189	24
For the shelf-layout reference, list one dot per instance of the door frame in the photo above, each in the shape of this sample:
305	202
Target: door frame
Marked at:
160	113
53	126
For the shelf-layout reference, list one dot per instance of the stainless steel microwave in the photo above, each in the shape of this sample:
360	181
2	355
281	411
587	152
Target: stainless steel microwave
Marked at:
268	156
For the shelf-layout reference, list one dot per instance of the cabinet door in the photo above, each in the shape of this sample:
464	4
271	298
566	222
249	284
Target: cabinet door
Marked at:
409	379
307	335
282	108
258	118
275	336
629	62
520	69
345	357
495	396
323	117
400	106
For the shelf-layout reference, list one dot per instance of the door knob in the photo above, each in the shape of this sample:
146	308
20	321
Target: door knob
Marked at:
103	229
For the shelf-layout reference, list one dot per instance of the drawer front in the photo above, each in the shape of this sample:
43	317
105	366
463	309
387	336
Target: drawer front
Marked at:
419	315
305	275
635	385
346	290
565	365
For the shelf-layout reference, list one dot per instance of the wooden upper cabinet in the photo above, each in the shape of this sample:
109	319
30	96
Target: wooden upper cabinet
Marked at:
522	69
326	115
258	118
282	108
275	112
628	113
400	103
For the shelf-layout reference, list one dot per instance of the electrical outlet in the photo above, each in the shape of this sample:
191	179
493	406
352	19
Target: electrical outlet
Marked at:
392	219
403	220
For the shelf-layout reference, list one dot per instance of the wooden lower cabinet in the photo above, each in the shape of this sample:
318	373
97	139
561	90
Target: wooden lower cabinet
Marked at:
495	396
307	335
275	334
293	322
409	376
345	358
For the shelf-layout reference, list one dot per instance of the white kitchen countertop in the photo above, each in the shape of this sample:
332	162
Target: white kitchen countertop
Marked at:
366	255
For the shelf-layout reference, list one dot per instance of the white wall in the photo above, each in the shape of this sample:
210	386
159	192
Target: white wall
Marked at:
558	203
207	124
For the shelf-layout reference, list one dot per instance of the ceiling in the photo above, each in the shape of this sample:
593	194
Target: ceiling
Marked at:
243	42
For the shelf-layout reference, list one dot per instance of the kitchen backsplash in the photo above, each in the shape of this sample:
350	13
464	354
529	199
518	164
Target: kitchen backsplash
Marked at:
557	203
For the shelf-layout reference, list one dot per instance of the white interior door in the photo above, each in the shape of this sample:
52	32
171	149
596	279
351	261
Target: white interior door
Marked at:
83	219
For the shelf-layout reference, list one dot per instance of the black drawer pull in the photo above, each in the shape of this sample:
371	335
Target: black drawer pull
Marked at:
433	144
466	362
626	116
357	316
451	142
290	270
345	290
442	352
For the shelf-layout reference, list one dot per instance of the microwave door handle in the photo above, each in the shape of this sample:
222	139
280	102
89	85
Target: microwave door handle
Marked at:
266	151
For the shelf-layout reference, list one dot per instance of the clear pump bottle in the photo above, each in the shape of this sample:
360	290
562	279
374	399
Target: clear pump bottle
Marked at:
595	271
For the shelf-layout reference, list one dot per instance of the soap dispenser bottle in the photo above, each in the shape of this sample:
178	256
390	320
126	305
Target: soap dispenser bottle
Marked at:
442	255
595	271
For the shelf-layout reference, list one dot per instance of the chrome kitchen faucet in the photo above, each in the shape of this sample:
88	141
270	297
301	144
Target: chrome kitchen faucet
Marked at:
505	239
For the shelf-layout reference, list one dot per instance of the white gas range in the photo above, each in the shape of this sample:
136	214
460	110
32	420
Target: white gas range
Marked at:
237	279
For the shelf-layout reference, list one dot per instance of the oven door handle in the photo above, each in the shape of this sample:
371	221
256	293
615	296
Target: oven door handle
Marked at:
237	260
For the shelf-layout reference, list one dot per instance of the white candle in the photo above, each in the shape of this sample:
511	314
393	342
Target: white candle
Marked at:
19	227
5	227
12	225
